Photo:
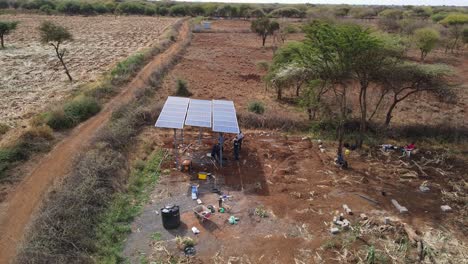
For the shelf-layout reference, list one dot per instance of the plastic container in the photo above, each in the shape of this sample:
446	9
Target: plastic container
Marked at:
170	215
202	175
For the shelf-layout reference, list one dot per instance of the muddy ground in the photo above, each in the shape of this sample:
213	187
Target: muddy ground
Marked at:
294	182
32	77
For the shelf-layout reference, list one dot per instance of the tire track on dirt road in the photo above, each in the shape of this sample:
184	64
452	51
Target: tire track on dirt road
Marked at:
22	203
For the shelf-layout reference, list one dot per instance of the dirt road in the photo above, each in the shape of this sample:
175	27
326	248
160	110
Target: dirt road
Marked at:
22	203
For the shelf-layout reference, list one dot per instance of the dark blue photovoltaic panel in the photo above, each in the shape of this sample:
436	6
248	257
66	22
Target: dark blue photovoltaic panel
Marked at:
199	113
173	113
224	117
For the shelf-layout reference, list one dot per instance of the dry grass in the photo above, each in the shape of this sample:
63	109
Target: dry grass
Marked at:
65	230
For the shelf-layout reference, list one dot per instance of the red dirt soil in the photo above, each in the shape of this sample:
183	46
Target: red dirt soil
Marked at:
298	185
26	198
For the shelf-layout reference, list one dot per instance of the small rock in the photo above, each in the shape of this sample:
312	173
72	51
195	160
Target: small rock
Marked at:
340	223
334	230
363	216
341	217
446	208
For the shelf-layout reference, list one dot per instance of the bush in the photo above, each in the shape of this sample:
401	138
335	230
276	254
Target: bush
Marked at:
256	107
4	4
81	108
57	119
86	8
131	8
178	10
100	8
35	139
100	90
69	7
47	9
73	112
4	128
182	89
127	68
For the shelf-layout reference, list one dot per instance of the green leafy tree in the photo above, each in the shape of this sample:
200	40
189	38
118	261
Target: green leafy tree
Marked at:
55	35
264	27
403	80
6	27
455	22
426	39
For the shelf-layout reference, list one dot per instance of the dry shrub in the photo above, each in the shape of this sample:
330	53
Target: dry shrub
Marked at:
64	230
4	128
271	120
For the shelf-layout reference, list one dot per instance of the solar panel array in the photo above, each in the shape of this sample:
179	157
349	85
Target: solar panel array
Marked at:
199	113
173	113
218	114
224	117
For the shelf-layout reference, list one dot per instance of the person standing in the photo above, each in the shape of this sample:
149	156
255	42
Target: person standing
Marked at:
240	138
236	149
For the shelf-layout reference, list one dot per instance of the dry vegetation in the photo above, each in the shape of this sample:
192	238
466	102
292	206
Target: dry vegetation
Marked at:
32	77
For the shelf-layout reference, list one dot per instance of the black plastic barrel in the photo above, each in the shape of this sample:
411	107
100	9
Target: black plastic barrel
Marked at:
170	216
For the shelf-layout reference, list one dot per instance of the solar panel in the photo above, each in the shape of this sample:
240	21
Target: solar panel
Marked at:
224	117
173	113
199	113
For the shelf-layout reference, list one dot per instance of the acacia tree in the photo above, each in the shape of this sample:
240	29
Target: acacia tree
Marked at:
406	79
455	23
6	27
264	27
56	35
426	39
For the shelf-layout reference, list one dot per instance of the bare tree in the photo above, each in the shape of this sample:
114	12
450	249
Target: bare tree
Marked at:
56	35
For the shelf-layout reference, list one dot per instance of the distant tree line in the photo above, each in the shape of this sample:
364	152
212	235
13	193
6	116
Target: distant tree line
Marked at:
95	7
73	7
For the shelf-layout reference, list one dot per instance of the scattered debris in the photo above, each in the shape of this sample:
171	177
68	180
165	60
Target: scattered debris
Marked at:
387	220
347	209
409	175
233	220
334	230
190	251
199	201
367	198
446	208
363	216
345	225
195	230
424	188
400	208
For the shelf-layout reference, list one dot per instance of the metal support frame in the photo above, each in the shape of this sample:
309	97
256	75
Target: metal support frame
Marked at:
221	145
175	148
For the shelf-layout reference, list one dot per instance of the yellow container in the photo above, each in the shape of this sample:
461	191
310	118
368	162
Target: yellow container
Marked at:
202	175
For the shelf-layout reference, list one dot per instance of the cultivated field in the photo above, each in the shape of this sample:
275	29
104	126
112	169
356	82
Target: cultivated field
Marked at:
31	75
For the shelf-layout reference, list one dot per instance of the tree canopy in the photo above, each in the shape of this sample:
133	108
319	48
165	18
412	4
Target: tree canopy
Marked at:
426	39
6	27
264	27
